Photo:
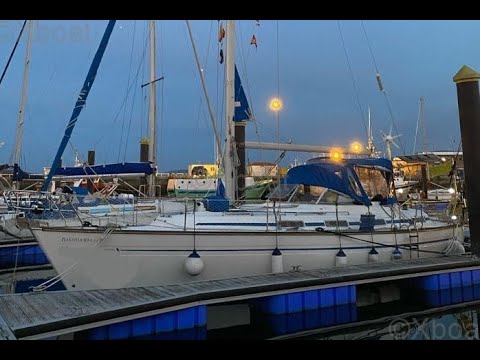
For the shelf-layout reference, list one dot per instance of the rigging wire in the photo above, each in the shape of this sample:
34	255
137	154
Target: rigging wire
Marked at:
13	51
124	101
201	109
355	88
128	82
217	70
248	91
144	116
382	89
162	87
203	83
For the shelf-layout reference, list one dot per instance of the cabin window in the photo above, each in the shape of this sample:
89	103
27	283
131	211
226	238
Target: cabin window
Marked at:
373	182
307	194
283	192
353	185
331	197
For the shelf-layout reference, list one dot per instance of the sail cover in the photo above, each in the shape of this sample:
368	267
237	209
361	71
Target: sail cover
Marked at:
107	169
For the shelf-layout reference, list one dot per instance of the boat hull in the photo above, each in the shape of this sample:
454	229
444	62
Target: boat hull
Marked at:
131	258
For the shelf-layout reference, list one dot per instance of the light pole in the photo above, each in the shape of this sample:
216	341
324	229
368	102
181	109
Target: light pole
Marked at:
276	105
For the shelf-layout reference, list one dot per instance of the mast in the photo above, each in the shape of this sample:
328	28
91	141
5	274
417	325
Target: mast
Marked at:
152	113
23	103
81	100
420	120
370	145
229	165
424	127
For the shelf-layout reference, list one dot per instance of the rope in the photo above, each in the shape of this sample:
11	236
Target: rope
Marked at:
353	78
50	282
404	247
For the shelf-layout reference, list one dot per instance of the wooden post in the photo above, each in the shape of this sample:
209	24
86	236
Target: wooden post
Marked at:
469	110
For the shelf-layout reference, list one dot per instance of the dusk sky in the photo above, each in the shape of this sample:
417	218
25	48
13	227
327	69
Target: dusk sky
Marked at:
415	58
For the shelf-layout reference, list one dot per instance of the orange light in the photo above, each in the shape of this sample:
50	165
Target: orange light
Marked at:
336	155
276	104
356	147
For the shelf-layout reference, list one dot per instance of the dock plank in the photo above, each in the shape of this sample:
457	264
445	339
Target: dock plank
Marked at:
23	314
101	299
27	305
5	331
42	305
12	315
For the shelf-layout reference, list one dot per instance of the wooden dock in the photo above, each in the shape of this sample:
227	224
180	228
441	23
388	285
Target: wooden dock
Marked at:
46	314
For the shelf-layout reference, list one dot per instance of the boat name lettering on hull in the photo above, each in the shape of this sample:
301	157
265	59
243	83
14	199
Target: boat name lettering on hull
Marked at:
79	239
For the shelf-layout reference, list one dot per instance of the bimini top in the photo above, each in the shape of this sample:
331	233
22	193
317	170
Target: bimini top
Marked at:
338	176
377	163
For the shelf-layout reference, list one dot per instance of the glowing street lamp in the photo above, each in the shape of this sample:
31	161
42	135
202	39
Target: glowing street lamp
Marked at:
276	104
356	147
336	155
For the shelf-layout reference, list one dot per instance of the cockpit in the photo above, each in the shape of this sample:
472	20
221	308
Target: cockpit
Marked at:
355	181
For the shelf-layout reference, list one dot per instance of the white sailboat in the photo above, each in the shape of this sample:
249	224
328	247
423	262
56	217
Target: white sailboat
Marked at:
325	213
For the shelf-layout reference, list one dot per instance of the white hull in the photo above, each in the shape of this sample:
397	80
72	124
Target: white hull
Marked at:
131	258
102	215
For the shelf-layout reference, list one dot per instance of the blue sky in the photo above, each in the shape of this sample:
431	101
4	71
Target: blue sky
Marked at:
415	58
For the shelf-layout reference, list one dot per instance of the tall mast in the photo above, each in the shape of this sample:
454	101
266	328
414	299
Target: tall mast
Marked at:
152	114
23	103
229	165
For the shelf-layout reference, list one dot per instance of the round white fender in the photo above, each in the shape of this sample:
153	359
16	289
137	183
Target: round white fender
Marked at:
194	264
277	261
341	258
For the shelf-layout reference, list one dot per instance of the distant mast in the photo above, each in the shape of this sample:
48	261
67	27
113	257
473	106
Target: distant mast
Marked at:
370	145
229	165
23	103
152	114
420	122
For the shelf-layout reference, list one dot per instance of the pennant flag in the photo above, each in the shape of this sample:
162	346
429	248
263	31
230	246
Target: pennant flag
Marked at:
253	41
221	56
257	22
221	33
